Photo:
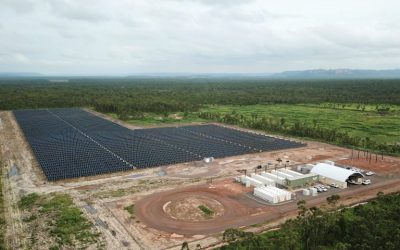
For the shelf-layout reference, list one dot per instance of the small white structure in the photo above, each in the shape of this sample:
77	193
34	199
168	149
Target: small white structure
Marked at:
313	191
331	174
272	194
208	159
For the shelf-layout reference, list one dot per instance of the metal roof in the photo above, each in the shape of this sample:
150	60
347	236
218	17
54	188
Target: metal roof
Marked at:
332	172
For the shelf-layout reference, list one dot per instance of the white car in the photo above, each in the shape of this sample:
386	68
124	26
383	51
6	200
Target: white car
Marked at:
369	173
366	182
334	185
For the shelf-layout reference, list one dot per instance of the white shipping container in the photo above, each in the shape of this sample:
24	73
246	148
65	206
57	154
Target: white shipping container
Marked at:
277	179
252	181
281	174
291	172
265	195
263	179
272	194
313	191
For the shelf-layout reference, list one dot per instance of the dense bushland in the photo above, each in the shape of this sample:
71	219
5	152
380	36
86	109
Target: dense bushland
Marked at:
371	226
181	94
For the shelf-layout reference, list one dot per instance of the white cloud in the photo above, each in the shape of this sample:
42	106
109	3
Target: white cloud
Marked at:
128	36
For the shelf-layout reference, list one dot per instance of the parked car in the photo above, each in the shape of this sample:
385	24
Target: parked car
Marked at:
366	182
369	173
334	185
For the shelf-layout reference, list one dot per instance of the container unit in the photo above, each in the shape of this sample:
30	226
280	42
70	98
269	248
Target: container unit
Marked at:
313	191
272	194
281	196
265	195
281	174
306	192
277	179
285	194
267	181
248	181
291	172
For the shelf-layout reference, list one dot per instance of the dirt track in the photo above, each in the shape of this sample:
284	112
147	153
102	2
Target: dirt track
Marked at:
150	210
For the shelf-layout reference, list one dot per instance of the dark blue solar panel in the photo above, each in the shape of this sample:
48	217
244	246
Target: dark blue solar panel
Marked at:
70	143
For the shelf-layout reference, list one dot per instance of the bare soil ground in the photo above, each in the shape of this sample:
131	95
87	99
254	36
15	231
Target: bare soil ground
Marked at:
376	164
240	210
188	208
186	186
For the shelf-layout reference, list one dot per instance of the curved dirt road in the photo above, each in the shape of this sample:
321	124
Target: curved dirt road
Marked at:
237	210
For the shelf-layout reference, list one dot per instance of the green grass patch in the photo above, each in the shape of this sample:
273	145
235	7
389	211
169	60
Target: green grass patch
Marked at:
131	210
207	211
380	127
151	119
28	201
57	217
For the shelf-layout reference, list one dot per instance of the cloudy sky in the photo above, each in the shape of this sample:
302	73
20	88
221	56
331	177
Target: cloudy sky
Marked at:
94	37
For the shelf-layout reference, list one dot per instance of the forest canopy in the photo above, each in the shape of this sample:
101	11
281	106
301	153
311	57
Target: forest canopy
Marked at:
181	94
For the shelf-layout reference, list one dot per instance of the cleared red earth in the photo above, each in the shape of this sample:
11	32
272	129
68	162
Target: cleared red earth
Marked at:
238	209
236	206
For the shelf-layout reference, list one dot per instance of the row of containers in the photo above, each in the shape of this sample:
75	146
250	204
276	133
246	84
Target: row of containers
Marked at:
264	186
272	194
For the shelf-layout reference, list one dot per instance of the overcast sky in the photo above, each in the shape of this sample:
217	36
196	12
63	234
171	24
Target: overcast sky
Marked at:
203	36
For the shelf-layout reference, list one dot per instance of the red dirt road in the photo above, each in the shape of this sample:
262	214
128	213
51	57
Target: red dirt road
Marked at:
239	209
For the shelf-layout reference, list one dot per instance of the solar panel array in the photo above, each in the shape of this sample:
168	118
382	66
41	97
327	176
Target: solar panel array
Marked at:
71	143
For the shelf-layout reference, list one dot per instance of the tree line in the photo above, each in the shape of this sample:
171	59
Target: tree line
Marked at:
371	226
302	129
130	96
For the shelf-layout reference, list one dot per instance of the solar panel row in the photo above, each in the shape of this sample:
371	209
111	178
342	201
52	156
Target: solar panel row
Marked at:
70	143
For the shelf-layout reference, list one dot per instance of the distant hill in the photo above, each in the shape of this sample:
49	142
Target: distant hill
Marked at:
19	74
338	74
297	74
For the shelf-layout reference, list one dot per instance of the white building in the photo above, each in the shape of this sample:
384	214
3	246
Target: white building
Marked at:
329	174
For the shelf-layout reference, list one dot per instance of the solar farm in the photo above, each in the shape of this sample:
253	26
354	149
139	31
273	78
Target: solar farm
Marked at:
72	143
150	188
